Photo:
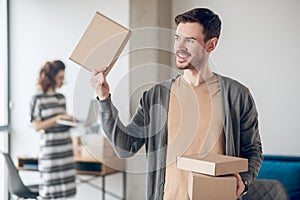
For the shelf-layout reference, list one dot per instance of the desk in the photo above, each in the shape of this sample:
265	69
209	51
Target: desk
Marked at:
87	166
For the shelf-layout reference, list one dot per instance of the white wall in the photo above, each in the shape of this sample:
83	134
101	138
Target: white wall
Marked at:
259	46
48	30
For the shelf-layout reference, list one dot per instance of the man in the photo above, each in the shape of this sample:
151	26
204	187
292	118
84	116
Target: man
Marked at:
206	113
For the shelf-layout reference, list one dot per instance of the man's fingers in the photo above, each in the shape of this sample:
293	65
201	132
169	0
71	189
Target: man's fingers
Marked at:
240	185
98	70
94	72
97	77
100	76
100	79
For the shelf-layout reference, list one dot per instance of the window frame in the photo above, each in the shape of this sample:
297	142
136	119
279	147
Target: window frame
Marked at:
4	64
5	93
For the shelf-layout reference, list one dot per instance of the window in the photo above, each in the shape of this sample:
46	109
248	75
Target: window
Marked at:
4	97
3	65
3	177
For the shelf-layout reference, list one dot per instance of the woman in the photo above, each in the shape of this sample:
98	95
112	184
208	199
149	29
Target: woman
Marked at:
56	160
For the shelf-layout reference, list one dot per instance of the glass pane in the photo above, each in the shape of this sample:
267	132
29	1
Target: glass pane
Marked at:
3	97
3	177
3	64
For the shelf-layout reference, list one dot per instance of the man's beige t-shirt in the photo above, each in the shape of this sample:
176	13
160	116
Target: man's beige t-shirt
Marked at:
194	126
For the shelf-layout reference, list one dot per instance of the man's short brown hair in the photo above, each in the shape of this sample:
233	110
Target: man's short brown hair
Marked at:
208	19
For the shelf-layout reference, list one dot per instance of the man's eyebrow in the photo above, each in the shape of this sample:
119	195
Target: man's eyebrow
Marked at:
190	38
187	38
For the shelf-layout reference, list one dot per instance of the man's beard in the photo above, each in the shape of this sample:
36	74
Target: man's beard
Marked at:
187	65
192	64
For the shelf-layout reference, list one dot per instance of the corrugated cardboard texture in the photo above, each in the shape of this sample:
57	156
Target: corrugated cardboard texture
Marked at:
212	164
203	187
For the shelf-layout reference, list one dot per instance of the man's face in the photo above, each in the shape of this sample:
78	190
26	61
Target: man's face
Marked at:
189	46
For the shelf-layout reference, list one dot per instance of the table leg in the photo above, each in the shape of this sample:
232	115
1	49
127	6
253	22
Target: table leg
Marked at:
103	188
124	185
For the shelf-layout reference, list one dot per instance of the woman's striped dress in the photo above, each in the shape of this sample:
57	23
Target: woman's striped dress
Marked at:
56	160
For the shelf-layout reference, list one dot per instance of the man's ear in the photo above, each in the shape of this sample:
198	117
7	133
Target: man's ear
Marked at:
211	44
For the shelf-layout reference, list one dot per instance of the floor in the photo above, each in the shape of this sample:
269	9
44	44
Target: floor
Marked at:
84	191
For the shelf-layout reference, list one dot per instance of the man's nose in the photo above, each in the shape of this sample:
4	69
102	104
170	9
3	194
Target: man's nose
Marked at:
181	45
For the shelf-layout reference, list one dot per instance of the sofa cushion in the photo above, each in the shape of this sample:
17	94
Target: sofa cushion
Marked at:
266	189
286	169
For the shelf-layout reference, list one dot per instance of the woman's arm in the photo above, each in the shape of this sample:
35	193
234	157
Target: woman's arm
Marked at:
48	123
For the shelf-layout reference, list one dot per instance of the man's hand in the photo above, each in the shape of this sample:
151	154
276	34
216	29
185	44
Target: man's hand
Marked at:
99	83
240	185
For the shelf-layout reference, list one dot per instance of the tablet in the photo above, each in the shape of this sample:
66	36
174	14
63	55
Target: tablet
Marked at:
66	122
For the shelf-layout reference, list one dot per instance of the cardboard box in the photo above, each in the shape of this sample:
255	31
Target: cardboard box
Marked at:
101	43
97	146
212	164
203	187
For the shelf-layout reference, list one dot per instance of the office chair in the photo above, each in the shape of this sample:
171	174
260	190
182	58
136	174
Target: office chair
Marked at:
15	183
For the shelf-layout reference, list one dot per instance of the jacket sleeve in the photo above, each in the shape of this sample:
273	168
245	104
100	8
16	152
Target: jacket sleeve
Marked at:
250	141
126	140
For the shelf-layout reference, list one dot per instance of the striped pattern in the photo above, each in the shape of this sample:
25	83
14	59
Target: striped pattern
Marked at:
56	161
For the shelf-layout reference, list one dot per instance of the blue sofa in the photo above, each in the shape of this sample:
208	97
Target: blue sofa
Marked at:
285	169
